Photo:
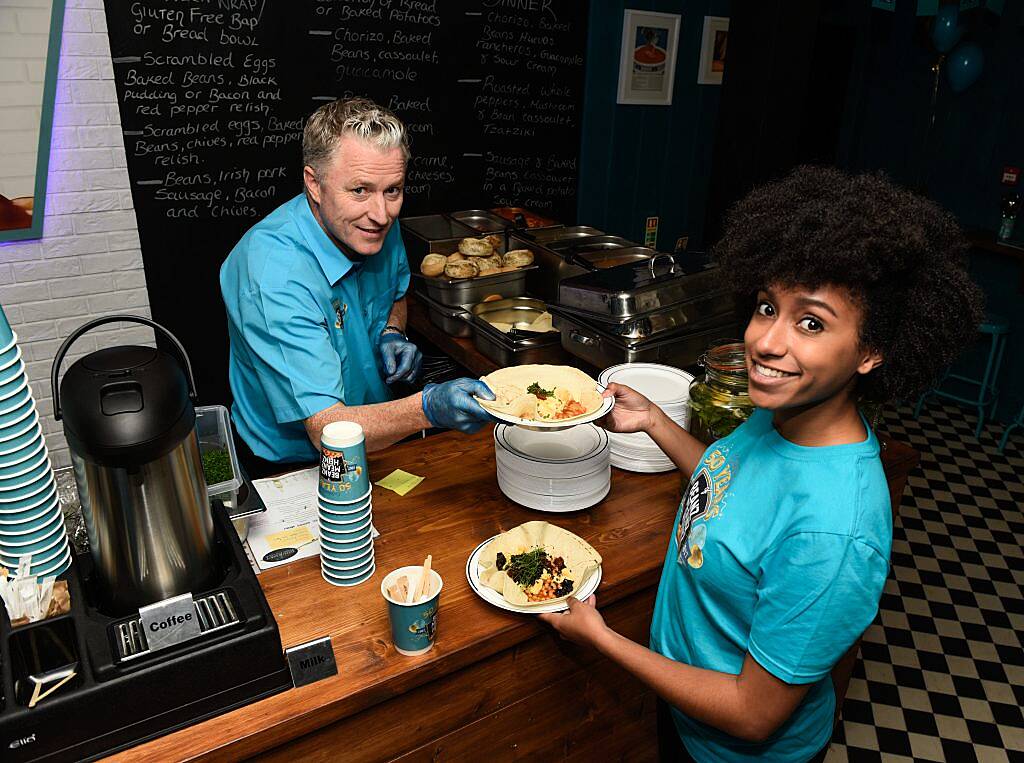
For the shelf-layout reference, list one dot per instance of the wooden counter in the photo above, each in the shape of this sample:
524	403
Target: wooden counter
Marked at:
496	686
494	680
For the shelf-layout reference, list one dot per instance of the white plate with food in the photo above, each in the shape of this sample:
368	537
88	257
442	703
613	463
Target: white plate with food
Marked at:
545	397
556	543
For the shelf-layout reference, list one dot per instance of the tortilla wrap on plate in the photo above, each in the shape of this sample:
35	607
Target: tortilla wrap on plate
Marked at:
579	558
542	392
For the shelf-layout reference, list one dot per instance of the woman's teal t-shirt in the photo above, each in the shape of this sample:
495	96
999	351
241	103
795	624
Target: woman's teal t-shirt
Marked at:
785	556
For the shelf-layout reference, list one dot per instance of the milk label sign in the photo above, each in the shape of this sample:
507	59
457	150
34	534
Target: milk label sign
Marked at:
169	622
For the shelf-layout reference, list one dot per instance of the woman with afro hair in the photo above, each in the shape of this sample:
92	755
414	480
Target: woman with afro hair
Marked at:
781	543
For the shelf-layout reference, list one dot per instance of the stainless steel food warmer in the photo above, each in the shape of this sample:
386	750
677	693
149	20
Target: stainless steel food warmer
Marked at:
419	233
665	309
482	220
519	346
451	319
468	291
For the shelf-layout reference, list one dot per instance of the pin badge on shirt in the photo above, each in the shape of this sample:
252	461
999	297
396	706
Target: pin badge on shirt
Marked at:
339	311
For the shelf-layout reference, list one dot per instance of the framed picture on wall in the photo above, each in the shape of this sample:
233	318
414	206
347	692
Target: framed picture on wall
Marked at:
647	67
712	50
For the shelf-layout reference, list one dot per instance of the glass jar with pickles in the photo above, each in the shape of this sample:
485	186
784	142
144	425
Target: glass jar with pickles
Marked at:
720	401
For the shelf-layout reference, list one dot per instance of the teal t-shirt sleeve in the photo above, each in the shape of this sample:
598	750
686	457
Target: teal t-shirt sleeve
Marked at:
818	592
299	368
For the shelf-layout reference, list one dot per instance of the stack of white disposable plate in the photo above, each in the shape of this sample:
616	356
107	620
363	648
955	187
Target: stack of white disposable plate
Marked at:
669	389
31	522
564	470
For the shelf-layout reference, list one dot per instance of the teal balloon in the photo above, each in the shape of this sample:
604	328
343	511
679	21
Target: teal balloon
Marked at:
964	65
947	30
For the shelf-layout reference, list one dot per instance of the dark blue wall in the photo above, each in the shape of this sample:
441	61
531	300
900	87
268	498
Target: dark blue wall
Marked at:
976	133
638	161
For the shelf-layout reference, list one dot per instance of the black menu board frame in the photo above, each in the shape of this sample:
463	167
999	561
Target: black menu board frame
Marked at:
213	95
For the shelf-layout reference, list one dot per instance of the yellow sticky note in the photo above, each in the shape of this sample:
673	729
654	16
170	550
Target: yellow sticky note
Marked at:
399	481
293	538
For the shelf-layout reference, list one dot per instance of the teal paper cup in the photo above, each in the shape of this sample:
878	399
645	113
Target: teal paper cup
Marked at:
343	522
39	558
13	439
9	357
6	333
358	542
344	474
24	461
55	535
11	387
343	510
413	626
347	580
358	560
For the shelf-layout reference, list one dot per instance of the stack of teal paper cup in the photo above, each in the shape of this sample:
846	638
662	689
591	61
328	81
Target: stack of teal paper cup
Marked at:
31	521
345	506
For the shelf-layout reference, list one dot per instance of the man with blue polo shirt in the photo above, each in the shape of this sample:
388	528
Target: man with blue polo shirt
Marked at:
315	297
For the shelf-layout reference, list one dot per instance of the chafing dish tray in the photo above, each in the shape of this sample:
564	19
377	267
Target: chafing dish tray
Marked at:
452	320
659	323
525	219
601	349
482	220
630	290
420	233
455	292
518	346
435	227
547	235
609	258
467	291
572	246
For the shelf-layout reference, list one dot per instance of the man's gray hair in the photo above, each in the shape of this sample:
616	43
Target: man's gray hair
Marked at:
360	117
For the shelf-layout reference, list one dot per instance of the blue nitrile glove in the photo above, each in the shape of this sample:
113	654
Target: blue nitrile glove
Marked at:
402	359
451	405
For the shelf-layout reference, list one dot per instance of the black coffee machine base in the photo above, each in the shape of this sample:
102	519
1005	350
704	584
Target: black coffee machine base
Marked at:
122	694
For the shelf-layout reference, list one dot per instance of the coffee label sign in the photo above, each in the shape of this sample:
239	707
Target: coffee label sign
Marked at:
169	622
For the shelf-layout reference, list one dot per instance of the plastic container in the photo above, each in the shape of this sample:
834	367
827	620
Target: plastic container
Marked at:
213	429
720	401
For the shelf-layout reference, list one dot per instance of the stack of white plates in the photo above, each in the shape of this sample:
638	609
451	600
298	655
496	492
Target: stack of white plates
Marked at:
564	470
31	522
669	389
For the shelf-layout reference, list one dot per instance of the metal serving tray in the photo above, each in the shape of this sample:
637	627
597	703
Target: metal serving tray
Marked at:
609	258
482	220
574	246
512	213
516	347
455	292
630	291
602	350
452	320
660	323
547	235
518	311
419	234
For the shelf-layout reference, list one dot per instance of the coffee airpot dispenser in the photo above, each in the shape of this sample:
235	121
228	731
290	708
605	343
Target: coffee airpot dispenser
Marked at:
129	420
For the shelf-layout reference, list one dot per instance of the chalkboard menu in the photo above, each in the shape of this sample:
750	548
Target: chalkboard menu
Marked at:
214	94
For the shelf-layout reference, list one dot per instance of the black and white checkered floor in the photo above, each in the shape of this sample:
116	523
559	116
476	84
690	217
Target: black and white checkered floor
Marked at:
942	674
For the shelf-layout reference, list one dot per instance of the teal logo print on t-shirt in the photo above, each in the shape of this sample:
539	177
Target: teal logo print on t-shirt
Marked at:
704	499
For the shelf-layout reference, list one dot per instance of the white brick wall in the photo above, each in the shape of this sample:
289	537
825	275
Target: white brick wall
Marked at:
24	35
88	263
